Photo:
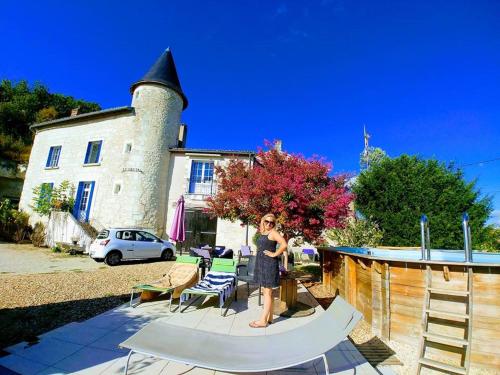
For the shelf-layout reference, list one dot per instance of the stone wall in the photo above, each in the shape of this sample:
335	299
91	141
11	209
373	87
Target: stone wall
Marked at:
231	235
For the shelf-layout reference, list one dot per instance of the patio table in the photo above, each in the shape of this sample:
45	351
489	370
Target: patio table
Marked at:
287	304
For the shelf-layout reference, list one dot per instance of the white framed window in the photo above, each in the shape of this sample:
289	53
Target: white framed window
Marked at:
128	148
117	188
53	158
201	180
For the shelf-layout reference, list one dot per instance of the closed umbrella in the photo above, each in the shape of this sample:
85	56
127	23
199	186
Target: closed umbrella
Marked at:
178	229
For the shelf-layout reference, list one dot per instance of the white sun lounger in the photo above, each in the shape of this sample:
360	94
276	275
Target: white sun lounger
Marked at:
230	353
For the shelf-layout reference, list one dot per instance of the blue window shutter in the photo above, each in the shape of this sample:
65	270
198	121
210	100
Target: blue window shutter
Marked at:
50	157
77	199
98	152
89	201
87	154
192	178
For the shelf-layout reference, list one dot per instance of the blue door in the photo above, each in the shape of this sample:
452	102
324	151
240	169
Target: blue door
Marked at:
83	200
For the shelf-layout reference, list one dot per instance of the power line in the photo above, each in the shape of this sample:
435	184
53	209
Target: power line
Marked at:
480	162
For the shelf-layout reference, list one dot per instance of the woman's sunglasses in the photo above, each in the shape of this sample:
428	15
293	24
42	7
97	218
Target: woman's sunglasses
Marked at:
269	222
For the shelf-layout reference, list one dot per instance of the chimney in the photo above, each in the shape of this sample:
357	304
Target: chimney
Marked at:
277	145
181	142
74	112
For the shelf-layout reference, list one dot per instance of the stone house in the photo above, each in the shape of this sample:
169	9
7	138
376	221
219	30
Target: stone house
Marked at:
129	166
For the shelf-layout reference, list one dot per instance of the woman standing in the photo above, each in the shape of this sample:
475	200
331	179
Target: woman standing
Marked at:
267	266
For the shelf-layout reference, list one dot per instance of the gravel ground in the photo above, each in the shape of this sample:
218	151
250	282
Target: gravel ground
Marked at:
27	259
33	304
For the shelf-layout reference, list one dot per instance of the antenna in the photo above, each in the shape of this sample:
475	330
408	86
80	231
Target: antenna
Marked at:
366	150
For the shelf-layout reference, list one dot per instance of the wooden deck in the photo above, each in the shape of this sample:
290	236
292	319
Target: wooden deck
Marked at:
390	294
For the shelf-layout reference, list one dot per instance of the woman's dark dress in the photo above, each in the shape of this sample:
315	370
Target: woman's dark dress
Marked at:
266	268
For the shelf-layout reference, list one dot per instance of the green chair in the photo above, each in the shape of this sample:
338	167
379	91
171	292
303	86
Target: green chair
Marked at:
182	275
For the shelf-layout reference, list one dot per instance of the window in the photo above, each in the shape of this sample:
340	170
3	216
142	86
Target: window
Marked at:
201	179
128	148
126	235
145	236
93	152
45	193
103	234
53	159
117	188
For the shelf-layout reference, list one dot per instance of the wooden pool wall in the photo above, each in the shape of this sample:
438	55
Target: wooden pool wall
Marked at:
390	294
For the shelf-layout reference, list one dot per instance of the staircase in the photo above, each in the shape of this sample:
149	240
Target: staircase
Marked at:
449	341
63	227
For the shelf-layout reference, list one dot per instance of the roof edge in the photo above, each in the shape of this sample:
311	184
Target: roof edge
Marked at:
168	85
202	151
83	117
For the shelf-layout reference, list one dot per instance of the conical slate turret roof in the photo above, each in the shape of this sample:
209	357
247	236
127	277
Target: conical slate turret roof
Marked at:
163	72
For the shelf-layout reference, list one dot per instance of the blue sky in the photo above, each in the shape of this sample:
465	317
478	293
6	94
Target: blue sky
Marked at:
423	76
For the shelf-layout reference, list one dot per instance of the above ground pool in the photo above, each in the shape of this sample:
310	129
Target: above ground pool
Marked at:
389	288
436	254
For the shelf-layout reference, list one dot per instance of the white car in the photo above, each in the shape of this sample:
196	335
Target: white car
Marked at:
116	244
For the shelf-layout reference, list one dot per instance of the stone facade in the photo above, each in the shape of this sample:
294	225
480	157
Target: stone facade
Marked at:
140	173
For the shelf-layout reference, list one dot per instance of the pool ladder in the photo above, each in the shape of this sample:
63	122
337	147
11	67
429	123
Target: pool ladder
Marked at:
431	293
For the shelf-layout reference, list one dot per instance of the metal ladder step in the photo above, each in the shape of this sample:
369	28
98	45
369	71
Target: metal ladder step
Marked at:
442	366
446	339
449	292
447	314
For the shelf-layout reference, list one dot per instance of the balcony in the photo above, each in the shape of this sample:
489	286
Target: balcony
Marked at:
202	189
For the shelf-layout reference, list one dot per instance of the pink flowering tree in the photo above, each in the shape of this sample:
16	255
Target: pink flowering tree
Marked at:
299	191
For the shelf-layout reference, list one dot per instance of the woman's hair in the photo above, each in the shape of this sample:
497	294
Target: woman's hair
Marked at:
266	216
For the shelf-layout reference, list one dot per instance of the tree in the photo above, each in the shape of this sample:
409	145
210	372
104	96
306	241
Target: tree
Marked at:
47	198
22	106
396	192
371	156
299	191
357	233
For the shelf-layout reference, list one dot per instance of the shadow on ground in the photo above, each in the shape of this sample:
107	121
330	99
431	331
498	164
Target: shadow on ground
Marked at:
26	323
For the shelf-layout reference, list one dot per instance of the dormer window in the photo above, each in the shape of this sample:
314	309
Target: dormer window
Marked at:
93	152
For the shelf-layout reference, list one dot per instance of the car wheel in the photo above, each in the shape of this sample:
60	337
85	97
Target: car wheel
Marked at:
167	254
113	258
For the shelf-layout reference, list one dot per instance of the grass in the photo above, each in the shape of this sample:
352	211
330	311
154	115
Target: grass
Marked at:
307	271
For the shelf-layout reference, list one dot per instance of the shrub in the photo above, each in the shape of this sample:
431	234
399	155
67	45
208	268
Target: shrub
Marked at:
56	249
47	198
357	233
38	235
20	225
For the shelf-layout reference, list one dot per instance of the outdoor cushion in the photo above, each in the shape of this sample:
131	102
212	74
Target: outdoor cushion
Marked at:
219	281
259	353
182	275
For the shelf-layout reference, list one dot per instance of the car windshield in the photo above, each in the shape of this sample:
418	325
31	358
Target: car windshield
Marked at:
103	234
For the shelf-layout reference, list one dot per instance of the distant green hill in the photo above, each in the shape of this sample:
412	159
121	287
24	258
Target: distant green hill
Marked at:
22	106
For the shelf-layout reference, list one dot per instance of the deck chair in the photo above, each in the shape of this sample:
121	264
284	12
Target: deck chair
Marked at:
230	353
182	275
220	281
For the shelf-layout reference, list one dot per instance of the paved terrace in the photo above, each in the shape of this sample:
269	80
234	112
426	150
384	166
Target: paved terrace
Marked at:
91	346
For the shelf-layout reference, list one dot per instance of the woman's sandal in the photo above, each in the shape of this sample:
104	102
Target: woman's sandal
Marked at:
255	325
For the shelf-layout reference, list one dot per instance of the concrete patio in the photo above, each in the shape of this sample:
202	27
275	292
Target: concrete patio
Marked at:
91	346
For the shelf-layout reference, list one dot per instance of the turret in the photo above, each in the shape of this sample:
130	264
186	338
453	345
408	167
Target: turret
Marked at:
158	101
